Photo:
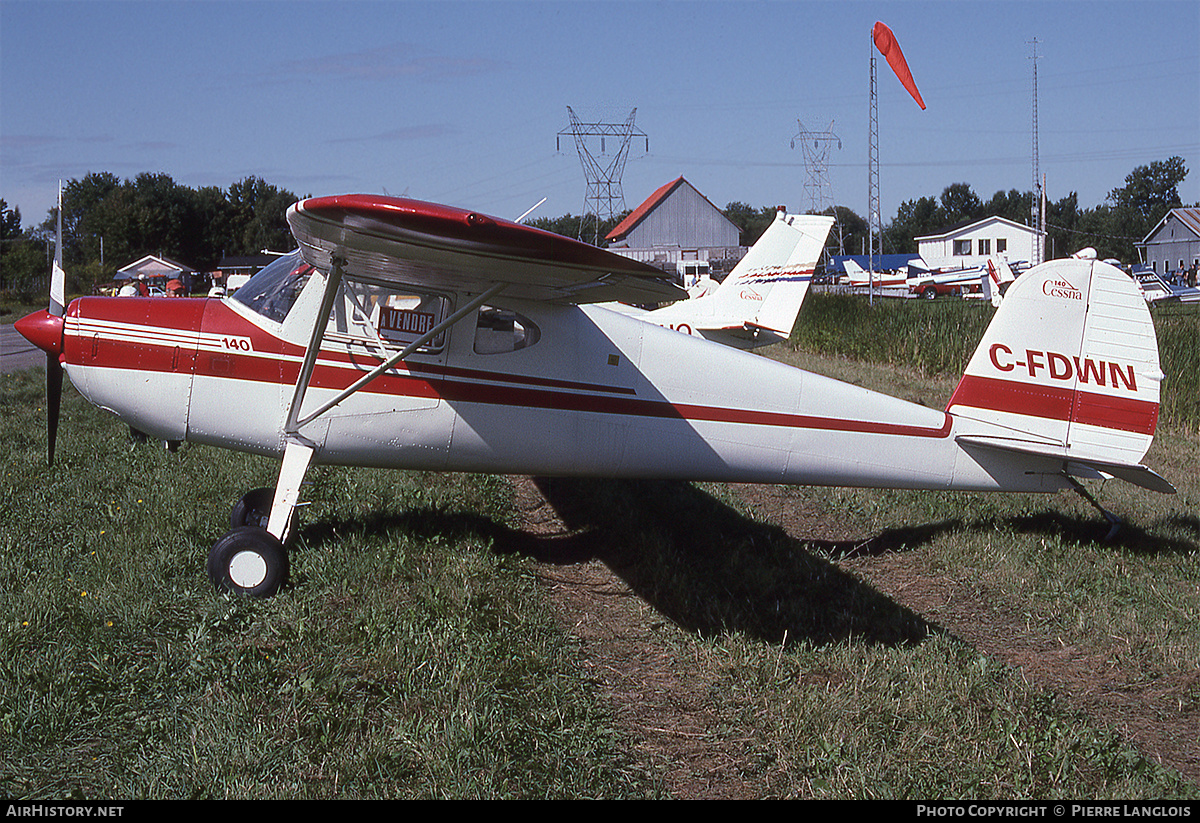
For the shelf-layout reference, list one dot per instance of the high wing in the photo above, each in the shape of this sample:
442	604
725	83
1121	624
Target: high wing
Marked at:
394	240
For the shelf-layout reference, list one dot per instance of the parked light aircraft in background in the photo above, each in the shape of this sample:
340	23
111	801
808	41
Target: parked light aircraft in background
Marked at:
995	280
930	283
859	277
410	335
757	303
1157	289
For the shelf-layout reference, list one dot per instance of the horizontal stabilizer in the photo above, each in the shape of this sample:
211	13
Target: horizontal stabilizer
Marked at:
1137	474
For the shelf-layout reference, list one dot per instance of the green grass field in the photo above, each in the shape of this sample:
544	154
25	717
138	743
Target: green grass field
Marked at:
415	654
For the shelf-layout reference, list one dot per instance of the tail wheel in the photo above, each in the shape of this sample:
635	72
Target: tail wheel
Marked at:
249	561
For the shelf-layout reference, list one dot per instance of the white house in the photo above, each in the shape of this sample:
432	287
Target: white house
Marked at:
971	244
1174	244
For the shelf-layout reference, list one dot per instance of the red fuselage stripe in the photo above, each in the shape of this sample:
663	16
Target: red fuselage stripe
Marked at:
464	385
1057	403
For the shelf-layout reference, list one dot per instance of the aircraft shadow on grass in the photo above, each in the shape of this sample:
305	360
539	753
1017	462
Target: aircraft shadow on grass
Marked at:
711	569
697	561
1130	537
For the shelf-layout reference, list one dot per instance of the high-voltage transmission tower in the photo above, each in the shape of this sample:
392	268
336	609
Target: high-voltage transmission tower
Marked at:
1036	218
604	198
816	146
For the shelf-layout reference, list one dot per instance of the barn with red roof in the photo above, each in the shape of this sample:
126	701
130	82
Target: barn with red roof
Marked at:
675	223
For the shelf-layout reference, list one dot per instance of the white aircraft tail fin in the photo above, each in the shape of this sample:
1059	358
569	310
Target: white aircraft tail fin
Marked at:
854	272
768	285
996	277
758	301
1068	368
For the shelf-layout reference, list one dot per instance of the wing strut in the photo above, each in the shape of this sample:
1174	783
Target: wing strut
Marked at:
333	281
298	450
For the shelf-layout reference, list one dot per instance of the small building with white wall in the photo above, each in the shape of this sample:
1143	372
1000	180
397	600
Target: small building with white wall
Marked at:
156	270
1174	244
970	244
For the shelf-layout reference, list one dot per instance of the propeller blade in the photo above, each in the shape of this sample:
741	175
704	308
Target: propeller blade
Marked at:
58	308
54	382
58	277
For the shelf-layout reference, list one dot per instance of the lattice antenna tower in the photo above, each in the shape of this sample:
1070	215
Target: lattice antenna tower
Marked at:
816	146
874	221
1035	210
604	198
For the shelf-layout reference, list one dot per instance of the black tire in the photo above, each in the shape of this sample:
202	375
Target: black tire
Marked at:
254	509
929	293
249	561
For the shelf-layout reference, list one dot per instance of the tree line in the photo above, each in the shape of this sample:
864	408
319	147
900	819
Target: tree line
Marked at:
1113	228
109	223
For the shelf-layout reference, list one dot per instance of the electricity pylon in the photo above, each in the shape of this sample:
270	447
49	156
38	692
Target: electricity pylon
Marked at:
603	198
816	146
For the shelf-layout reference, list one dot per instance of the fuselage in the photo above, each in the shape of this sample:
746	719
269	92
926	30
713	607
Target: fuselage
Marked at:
529	388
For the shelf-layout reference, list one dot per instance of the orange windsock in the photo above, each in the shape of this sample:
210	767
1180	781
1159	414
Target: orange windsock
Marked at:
885	41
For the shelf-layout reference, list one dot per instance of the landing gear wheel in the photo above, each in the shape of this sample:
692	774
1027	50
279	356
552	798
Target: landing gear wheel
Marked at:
254	509
249	561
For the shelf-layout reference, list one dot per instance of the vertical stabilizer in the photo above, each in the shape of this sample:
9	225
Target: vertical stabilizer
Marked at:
759	300
996	278
1068	367
768	285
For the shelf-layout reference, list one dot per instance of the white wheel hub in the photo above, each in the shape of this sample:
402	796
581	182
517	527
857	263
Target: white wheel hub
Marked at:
247	569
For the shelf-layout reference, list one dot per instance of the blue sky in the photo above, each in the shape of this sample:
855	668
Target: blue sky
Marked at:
462	102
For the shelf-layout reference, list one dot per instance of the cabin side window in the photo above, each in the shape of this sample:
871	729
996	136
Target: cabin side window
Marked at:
498	331
396	318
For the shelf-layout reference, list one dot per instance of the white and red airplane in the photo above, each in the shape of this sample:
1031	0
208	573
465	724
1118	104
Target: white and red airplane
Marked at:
416	336
757	303
969	279
859	277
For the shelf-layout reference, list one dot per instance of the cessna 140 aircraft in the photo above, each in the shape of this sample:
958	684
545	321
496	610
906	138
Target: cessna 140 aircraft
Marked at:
410	335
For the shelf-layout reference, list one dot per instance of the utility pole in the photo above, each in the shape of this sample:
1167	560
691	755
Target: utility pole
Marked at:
603	198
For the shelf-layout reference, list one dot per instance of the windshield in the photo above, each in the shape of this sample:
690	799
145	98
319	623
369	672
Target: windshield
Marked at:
274	289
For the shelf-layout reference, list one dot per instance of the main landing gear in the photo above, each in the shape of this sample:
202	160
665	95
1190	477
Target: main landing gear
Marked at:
250	560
